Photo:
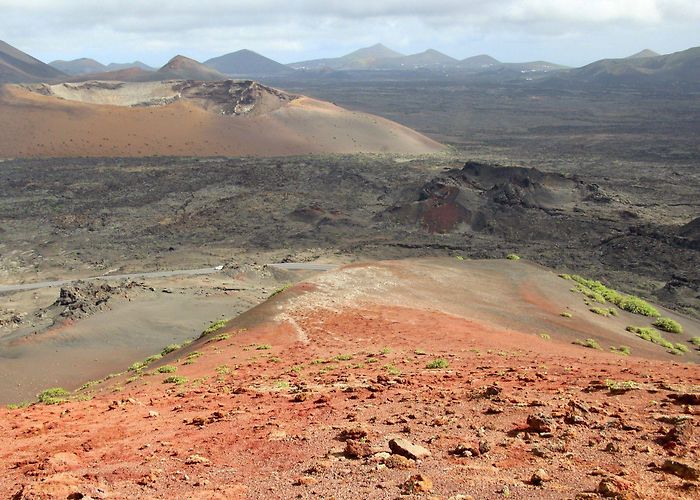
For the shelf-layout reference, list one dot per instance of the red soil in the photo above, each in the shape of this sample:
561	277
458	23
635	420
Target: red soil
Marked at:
34	125
259	422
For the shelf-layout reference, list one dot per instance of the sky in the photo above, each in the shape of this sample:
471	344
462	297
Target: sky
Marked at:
571	32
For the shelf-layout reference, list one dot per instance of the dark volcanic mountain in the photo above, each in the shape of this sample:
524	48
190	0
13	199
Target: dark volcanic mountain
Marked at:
366	58
248	63
135	64
184	68
643	53
481	61
16	66
80	66
677	69
428	59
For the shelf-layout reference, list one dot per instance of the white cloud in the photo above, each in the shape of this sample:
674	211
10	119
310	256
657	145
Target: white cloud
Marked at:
296	29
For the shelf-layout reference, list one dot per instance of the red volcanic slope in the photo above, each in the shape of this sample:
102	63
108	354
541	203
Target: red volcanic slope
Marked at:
271	400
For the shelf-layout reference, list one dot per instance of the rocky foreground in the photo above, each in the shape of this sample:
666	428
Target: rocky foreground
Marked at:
327	392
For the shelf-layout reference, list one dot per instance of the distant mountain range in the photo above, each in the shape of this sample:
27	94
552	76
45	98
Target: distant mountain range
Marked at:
376	62
16	66
642	69
85	66
248	63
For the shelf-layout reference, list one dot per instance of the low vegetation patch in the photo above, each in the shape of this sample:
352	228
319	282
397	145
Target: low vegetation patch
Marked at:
695	341
53	396
169	349
590	343
623	350
263	347
17	406
566	315
167	369
668	325
512	256
175	379
621	386
595	290
392	370
437	364
545	336
217	325
650	335
603	312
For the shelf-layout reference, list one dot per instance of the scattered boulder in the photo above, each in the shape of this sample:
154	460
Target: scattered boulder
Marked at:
418	483
403	447
541	423
539	477
197	460
355	433
681	469
617	488
399	462
357	449
685	398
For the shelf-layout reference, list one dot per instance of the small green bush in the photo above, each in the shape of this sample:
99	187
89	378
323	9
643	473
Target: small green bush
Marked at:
590	343
437	364
681	347
624	386
343	357
566	315
695	341
668	325
175	379
138	366
392	370
597	291
650	335
169	349
263	347
217	325
167	369
512	256
545	336
53	396
623	350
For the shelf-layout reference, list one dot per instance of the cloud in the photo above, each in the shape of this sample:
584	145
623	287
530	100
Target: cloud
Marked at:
308	27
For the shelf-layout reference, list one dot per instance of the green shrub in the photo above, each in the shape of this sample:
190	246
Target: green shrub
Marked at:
17	406
167	369
624	386
437	363
263	347
681	347
175	379
597	291
668	325
695	341
151	359
545	336
217	325
623	350
650	335
566	315
138	366
392	370
343	357
169	349
590	343
53	396
512	256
